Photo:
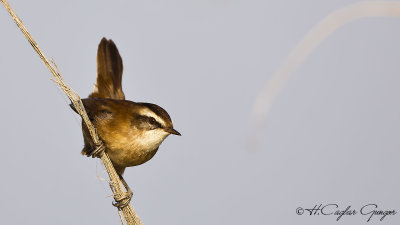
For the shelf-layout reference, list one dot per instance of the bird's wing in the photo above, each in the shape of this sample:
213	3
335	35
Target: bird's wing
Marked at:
109	72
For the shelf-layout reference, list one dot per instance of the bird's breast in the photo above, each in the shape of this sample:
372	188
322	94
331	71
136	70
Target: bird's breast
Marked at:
135	147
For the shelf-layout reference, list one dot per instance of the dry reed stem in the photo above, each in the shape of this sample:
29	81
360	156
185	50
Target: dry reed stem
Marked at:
303	49
115	184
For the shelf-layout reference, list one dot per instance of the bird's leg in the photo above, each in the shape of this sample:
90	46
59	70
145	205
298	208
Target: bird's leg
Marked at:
125	200
127	188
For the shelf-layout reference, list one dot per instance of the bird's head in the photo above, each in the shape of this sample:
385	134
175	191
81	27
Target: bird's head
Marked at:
150	117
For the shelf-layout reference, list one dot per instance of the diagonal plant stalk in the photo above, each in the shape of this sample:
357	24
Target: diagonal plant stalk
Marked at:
115	183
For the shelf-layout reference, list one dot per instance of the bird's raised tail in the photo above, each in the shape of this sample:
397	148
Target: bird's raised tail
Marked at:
109	72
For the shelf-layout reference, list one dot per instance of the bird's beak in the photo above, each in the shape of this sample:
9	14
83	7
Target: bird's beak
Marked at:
172	131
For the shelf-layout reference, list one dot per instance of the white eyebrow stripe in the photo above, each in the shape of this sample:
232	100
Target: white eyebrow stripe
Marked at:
149	113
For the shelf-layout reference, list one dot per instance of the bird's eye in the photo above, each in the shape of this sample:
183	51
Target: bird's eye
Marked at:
154	123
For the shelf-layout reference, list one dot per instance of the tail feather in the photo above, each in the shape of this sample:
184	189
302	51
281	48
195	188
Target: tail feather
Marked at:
109	72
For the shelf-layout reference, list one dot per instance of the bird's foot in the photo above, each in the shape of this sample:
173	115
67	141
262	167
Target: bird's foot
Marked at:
124	200
98	151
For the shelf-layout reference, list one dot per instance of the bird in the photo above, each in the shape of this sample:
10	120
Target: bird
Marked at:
132	132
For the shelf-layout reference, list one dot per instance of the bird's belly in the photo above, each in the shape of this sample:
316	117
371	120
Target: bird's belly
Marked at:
133	149
130	157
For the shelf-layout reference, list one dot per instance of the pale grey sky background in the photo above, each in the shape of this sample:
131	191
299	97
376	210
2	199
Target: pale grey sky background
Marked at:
332	135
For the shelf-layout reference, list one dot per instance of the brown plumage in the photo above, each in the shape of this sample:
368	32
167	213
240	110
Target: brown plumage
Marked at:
109	72
131	131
